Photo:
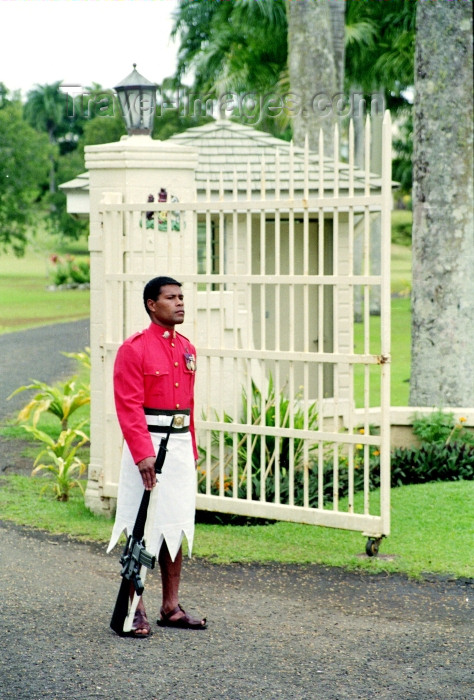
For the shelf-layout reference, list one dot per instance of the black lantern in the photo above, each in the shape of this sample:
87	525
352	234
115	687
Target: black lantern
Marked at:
137	97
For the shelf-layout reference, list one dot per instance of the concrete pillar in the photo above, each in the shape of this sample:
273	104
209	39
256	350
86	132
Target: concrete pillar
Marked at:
126	171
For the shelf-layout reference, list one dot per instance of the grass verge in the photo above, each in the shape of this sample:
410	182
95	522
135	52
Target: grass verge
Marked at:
25	300
431	531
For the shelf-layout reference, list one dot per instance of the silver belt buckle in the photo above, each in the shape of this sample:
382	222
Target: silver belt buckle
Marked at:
178	421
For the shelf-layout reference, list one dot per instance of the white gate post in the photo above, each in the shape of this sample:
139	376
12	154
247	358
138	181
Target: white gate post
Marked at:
126	171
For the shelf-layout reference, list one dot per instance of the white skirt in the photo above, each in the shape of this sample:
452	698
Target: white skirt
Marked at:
172	503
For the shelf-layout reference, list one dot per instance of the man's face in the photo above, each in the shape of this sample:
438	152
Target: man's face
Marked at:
168	309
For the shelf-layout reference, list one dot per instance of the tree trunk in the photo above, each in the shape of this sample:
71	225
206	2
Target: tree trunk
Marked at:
442	371
312	71
337	11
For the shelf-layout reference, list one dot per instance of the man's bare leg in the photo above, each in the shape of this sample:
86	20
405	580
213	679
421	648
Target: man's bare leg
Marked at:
170	579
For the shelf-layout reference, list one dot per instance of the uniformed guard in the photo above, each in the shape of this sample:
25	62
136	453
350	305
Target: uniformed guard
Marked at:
154	377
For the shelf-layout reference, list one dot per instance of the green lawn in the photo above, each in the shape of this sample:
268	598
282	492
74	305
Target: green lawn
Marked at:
400	322
25	300
400	270
431	531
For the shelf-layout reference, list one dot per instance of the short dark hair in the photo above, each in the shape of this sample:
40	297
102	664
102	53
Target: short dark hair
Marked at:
153	289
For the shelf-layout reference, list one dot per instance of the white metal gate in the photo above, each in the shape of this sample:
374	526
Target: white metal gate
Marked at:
285	377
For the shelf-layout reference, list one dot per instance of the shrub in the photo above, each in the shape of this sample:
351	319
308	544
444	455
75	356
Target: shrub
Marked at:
60	459
441	428
279	449
446	452
432	462
69	271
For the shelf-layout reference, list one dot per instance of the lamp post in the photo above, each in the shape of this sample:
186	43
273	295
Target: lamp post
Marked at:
137	97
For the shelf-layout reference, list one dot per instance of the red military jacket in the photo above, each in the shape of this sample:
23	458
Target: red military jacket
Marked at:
153	368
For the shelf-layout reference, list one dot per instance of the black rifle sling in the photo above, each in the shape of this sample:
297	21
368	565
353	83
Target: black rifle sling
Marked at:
160	457
139	527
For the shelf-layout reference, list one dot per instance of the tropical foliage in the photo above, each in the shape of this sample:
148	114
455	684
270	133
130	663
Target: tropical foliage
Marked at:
61	401
259	458
59	458
380	45
432	462
243	46
239	53
42	145
237	50
441	428
231	45
263	471
446	452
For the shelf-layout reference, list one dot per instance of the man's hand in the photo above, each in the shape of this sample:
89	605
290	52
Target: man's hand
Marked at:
147	470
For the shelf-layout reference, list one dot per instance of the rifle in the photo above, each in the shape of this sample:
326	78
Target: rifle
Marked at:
135	557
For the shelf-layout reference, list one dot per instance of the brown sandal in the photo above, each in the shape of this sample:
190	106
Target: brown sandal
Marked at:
140	622
184	622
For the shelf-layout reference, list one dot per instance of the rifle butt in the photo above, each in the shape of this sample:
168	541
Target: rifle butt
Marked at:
120	612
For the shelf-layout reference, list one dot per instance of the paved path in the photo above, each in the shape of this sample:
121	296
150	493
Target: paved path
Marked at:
302	632
36	354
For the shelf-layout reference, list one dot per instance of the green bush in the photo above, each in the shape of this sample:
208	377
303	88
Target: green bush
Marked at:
441	428
60	459
446	452
61	401
279	450
69	271
453	461
432	462
58	453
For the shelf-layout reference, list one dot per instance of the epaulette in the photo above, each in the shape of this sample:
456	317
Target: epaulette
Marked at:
182	336
133	337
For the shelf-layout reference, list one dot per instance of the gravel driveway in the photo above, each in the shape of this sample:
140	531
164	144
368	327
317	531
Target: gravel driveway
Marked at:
275	631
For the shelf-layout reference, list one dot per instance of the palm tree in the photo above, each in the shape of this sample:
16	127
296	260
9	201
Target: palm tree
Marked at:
45	110
442	370
231	46
380	43
312	71
243	46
